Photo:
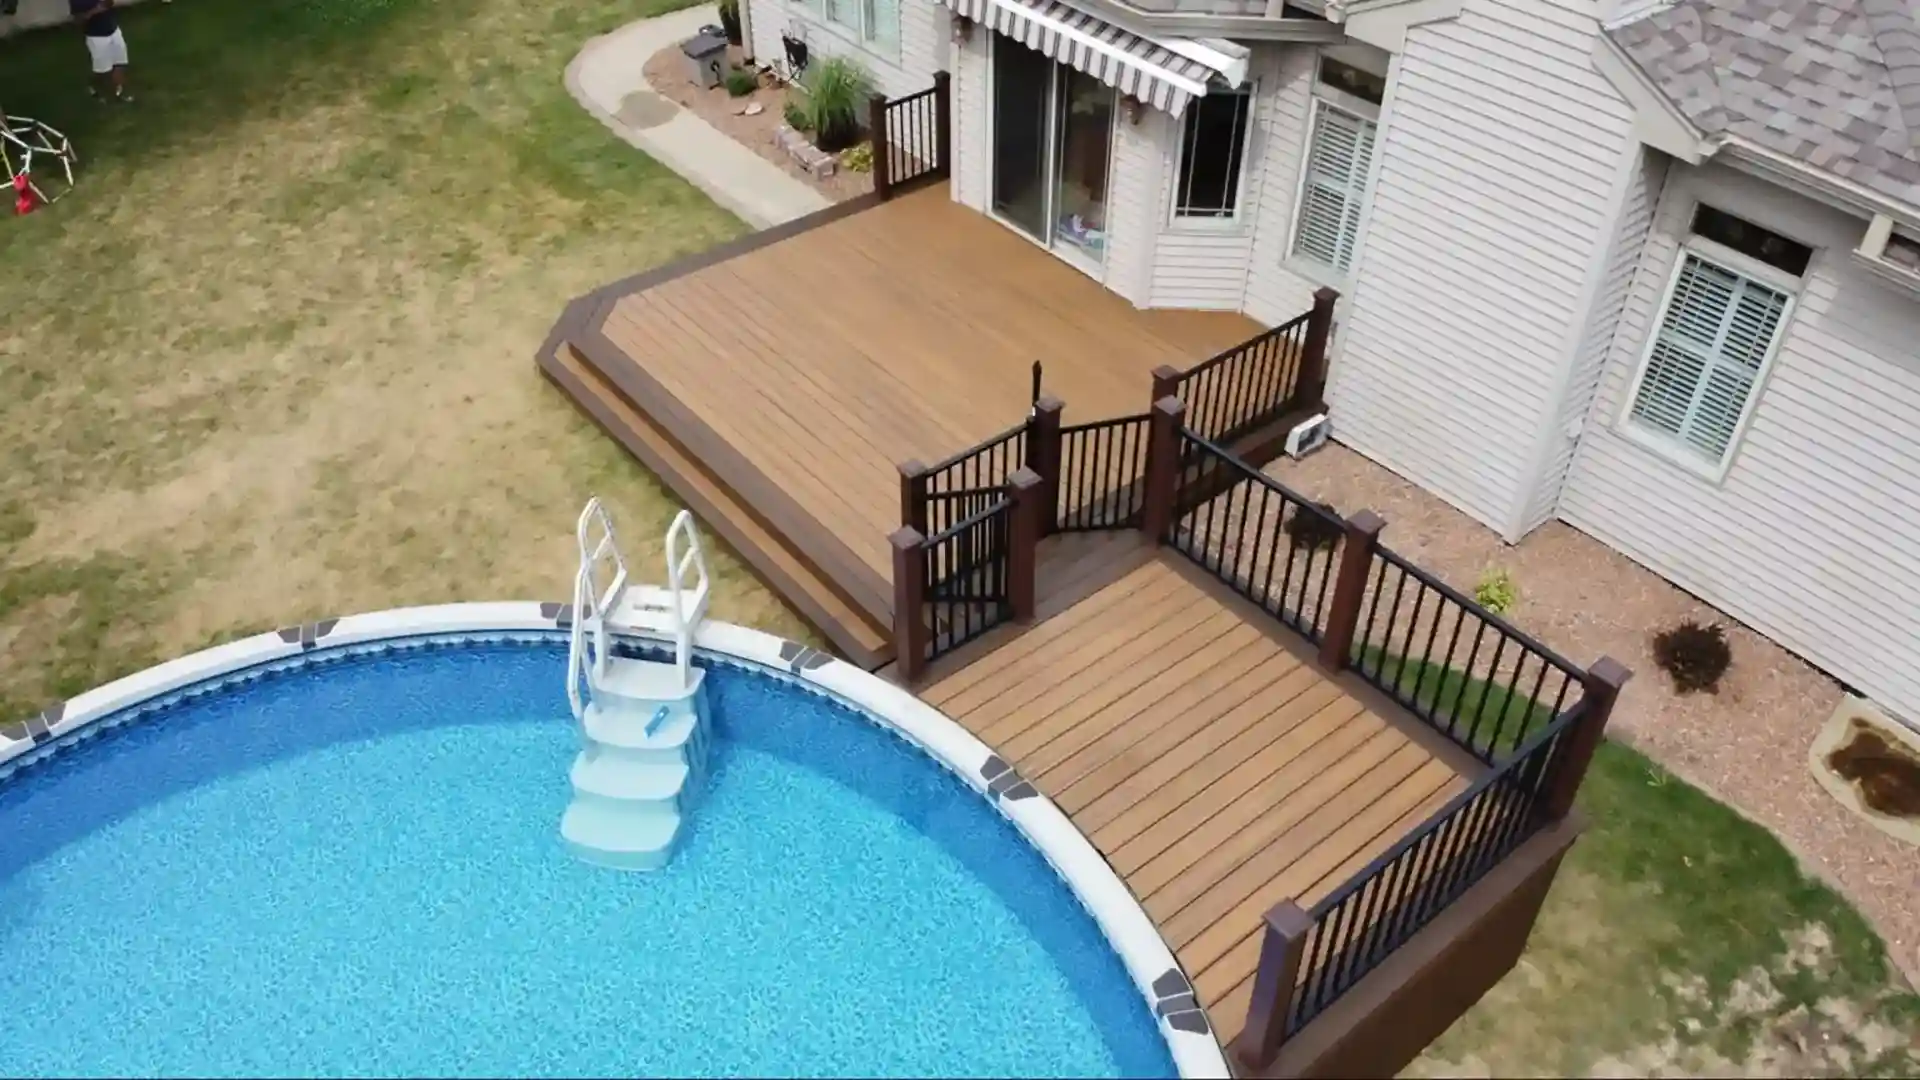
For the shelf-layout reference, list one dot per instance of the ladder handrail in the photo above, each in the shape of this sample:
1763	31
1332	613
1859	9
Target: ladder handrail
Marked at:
577	647
588	647
686	617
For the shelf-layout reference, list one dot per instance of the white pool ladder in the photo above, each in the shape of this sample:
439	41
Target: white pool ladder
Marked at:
643	724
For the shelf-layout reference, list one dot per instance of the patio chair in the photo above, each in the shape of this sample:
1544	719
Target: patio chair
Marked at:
794	43
37	157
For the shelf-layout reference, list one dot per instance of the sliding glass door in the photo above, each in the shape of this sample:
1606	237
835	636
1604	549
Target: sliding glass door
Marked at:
1052	145
1022	87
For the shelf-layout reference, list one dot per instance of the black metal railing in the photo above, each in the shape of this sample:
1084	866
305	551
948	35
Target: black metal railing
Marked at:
1247	386
1460	668
967	569
1102	470
1360	924
956	489
912	136
1263	540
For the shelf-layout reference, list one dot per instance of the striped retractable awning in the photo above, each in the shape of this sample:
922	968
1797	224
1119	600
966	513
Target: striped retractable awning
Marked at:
1132	64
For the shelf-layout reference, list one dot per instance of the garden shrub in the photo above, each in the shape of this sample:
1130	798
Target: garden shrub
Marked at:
1496	591
1312	531
1693	655
740	82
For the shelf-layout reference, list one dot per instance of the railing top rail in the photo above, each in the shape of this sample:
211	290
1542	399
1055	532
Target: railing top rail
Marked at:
1253	473
1224	355
1525	640
1112	421
986	444
915	96
1452	806
1002	506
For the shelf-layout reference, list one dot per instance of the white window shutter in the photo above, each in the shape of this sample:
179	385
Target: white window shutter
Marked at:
1718	329
1339	159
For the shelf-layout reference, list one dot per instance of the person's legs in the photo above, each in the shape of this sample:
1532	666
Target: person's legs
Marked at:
100	55
118	75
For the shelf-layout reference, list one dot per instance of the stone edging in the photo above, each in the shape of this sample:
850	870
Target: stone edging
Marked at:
1132	934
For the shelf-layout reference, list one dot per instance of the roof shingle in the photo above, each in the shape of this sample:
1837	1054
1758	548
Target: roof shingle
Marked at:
1832	83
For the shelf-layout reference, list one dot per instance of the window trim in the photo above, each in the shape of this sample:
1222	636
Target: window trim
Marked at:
1240	220
820	20
1306	265
1678	452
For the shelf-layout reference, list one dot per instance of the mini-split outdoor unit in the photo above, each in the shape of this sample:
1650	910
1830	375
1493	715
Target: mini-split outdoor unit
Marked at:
1309	435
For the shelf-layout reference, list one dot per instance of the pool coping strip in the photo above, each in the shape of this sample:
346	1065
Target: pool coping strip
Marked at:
1156	974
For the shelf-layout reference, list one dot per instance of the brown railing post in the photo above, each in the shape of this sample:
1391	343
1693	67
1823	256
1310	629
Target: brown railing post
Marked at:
913	496
1166	382
1349	588
877	135
1163	466
1281	953
1313	359
943	121
1043	455
909	603
1023	542
1602	684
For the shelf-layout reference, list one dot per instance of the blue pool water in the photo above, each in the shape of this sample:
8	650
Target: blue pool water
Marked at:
355	869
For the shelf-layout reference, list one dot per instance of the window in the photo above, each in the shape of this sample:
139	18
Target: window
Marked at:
1339	161
872	22
1213	147
1717	332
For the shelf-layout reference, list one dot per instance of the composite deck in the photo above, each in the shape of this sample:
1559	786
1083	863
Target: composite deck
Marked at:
1217	770
905	331
775	385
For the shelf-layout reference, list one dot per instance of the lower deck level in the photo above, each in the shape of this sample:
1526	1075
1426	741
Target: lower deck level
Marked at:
1219	771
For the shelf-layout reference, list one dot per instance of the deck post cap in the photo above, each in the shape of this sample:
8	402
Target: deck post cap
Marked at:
1170	405
1609	672
911	467
1367	523
1023	478
905	538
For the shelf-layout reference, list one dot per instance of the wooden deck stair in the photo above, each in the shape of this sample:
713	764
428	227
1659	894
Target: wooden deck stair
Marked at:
854	632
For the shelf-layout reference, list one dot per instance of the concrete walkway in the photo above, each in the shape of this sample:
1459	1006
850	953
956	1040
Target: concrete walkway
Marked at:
606	79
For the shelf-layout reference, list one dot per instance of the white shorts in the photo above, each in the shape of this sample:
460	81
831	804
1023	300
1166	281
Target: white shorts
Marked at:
108	52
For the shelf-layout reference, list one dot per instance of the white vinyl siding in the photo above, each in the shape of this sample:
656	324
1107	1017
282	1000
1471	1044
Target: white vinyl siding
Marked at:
1712	347
972	109
1644	175
1496	196
1196	265
1339	160
1282	114
1803	539
898	43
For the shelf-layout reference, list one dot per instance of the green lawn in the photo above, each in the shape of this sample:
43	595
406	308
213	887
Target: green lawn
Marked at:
1680	939
273	362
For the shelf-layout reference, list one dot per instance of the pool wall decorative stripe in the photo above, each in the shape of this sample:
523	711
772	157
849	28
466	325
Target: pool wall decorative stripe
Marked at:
1157	976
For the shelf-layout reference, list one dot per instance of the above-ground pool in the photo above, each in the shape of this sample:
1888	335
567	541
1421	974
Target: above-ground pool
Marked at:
350	864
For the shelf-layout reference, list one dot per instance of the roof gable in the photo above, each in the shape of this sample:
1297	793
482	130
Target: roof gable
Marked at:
1834	84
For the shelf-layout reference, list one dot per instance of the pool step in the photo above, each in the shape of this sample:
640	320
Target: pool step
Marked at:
642	762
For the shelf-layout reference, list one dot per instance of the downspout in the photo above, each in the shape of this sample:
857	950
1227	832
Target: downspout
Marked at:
746	32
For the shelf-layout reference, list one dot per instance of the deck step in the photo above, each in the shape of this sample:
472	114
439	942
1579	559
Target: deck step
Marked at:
851	630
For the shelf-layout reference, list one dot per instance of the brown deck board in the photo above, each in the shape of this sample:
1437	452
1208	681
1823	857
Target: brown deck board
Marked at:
904	331
1199	748
1219	771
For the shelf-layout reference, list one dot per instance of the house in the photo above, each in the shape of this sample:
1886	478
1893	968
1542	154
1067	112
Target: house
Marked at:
1652	270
